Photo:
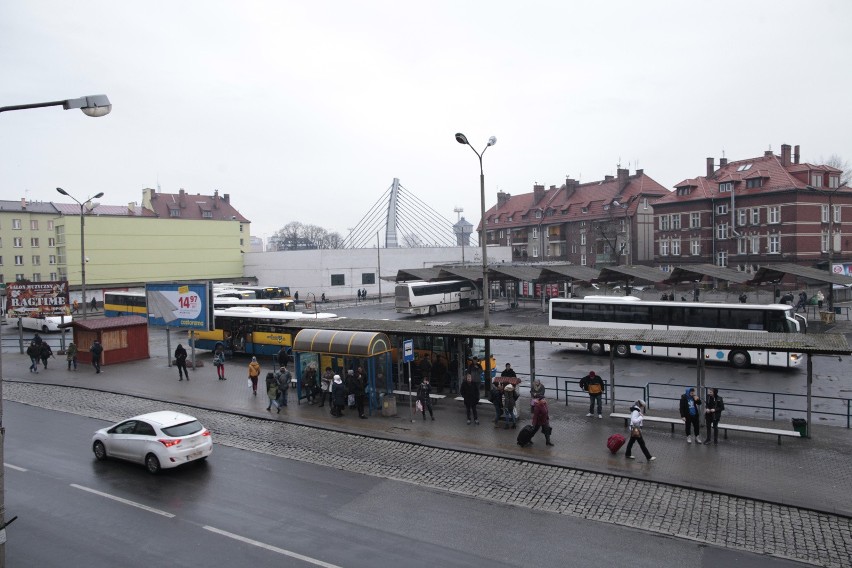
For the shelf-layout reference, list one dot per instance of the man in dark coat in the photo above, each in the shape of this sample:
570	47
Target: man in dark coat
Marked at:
470	393
180	362
338	396
96	350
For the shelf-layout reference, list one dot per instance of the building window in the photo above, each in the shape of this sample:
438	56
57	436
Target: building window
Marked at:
19	260
675	247
33	224
583	238
34	242
174	212
824	213
695	247
695	220
16	224
664	222
36	260
1	261
574	248
51	259
207	214
53	277
17	242
742	245
664	247
368	278
338	279
774	244
500	234
836	211
722	209
775	214
538	213
823	242
755	215
722	231
36	276
833	182
241	242
676	221
742	217
50	225
754	182
816	180
583	259
535	252
19	277
241	226
726	187
722	258
755	244
51	242
535	232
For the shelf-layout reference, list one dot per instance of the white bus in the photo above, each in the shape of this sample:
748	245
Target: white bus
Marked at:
629	312
433	297
279	305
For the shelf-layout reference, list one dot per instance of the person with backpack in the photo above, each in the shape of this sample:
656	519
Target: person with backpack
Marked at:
509	398
71	355
637	412
689	403
253	374
712	413
34	353
96	350
541	419
45	353
180	362
282	381
219	362
593	385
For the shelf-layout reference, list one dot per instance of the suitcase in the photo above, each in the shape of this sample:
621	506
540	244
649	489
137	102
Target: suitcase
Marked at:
615	442
525	435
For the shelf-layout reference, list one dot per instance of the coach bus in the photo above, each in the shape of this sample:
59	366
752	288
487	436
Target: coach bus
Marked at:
629	312
125	304
433	297
254	331
253	292
279	305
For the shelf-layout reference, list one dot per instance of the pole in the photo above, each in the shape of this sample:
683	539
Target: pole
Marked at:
830	256
486	291
83	257
379	261
410	401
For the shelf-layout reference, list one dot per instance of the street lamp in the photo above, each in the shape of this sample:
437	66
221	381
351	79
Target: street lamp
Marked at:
462	139
82	240
96	105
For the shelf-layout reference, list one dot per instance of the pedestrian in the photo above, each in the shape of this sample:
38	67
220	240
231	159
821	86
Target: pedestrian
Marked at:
743	298
75	306
712	413
309	382
470	393
96	350
296	296
820	298
322	298
71	355
475	370
282	380
689	403
253	374
180	362
508	371
219	362
803	301
496	398
696	294
271	390
34	353
282	358
45	353
593	385
325	385
536	390
510	395
424	397
636	418
94	304
359	389
541	420
338	396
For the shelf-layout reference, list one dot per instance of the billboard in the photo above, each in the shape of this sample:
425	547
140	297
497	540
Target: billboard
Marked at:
34	299
181	305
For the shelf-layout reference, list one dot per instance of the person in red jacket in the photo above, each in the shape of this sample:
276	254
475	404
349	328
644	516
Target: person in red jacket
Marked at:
541	419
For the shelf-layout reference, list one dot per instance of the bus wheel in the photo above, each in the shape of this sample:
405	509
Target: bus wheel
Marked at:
739	359
433	311
622	350
596	348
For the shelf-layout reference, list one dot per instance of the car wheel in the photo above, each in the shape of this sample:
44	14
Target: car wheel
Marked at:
433	311
597	348
739	359
44	329
622	350
100	450
152	464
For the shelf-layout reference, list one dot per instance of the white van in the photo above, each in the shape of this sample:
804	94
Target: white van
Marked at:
37	322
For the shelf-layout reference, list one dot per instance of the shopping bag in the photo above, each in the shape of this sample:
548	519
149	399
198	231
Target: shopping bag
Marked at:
249	383
351	400
419	406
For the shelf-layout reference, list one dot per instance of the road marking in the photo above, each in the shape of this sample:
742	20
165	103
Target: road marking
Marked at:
272	548
16	468
125	501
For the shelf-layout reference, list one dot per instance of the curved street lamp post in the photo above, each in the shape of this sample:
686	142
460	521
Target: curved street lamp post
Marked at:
82	241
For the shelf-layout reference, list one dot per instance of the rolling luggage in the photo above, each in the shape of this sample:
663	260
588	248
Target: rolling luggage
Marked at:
615	442
525	435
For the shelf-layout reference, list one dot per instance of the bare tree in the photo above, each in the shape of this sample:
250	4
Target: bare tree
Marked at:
836	161
313	236
332	241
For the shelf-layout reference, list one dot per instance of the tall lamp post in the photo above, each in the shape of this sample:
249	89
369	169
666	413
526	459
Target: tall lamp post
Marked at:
96	105
82	241
462	139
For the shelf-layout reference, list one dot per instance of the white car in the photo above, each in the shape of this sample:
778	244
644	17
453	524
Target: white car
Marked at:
159	440
43	324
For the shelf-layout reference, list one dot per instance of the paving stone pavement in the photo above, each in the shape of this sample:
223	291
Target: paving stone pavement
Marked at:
753	525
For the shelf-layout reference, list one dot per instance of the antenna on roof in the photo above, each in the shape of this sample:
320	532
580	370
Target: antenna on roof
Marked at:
619	163
458	211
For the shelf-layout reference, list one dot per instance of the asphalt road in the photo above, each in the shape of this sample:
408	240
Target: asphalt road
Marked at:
249	508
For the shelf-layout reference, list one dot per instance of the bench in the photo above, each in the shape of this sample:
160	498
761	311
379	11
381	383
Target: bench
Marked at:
481	400
435	397
724	427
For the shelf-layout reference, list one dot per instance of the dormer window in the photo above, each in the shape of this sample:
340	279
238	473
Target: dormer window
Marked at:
584	210
174	212
816	180
833	182
538	214
726	187
754	182
508	219
744	167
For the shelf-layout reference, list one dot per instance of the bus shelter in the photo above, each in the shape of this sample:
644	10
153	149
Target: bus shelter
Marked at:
343	351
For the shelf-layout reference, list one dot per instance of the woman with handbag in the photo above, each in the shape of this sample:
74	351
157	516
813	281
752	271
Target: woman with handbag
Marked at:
636	412
219	362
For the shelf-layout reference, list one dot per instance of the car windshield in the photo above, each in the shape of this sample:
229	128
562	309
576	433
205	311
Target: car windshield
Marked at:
185	429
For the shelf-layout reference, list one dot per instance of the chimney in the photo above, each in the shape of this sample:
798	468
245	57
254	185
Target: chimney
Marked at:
182	198
711	169
796	154
640	172
538	193
227	198
23	203
609	178
767	153
723	162
215	199
623	178
570	187
785	155
502	198
131	208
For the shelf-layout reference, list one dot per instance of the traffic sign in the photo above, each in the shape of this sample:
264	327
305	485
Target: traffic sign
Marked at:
408	351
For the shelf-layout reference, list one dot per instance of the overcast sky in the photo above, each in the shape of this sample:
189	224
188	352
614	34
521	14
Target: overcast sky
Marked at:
306	111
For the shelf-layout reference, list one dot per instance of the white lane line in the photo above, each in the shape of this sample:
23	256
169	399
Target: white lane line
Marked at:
16	468
125	501
272	548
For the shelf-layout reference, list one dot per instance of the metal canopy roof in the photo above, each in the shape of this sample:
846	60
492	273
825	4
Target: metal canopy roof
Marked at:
417	274
773	273
629	273
573	271
462	272
517	272
356	343
695	272
813	343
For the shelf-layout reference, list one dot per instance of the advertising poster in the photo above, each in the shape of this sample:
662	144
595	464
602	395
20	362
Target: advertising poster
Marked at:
37	299
181	305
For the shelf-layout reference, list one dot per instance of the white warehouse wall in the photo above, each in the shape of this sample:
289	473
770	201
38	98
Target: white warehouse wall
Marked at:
311	270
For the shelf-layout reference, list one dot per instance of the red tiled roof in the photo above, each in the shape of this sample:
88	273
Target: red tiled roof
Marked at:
128	211
218	207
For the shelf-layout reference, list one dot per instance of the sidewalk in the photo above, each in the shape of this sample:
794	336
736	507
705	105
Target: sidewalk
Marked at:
810	473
